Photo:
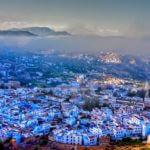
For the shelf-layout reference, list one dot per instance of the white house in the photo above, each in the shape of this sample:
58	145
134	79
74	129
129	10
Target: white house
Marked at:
96	131
68	138
89	140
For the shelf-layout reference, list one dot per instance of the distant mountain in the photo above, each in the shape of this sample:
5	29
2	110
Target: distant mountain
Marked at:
42	31
15	33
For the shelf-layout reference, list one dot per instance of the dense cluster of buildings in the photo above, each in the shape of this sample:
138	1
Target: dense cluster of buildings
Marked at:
44	94
123	122
58	112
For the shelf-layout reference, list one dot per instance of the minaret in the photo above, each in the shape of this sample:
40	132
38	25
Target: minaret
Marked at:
146	89
143	131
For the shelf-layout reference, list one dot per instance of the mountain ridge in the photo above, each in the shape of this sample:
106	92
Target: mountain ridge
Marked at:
37	31
16	33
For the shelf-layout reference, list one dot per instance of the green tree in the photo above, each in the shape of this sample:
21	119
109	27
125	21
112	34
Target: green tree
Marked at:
131	94
141	94
91	103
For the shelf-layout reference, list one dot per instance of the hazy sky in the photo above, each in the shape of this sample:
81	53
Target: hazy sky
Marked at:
100	17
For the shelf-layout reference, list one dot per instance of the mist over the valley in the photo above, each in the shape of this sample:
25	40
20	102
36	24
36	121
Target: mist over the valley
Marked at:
77	44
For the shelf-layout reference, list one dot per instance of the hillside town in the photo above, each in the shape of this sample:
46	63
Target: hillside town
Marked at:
83	112
64	101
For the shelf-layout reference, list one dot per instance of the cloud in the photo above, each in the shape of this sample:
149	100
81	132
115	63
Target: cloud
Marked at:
77	44
19	42
81	29
4	25
137	29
